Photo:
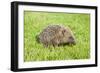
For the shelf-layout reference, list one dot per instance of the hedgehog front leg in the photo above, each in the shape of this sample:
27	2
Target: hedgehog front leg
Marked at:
55	43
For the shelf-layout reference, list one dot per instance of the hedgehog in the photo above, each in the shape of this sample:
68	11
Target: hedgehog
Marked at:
56	35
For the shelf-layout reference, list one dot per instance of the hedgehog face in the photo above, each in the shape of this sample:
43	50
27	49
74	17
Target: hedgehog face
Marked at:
68	37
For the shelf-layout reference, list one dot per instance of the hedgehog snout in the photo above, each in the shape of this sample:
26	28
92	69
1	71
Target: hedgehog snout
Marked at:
71	40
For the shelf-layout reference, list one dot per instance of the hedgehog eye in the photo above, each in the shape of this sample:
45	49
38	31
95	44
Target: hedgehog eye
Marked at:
63	32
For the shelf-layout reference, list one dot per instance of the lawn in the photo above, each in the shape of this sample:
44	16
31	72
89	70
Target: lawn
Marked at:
35	22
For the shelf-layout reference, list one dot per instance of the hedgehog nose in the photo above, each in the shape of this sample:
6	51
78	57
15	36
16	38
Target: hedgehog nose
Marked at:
72	40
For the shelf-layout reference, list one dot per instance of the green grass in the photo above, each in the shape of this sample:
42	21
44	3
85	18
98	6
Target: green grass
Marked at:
35	22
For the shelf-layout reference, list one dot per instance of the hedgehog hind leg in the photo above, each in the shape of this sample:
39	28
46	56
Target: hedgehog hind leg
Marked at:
45	45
